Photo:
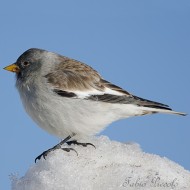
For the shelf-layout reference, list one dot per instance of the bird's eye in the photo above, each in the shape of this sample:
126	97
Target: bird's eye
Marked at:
25	63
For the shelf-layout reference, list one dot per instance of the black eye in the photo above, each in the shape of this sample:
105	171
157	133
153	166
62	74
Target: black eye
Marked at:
25	63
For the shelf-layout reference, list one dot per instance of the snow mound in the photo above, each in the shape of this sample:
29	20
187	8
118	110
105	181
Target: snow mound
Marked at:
111	166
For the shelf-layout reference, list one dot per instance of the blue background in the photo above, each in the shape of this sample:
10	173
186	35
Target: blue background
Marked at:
142	46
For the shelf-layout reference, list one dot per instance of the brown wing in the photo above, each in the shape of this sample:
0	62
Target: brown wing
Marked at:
72	75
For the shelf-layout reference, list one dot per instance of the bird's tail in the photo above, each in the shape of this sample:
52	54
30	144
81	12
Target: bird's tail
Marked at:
149	107
149	110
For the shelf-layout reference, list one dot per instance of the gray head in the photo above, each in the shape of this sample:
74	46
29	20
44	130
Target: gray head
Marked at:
31	62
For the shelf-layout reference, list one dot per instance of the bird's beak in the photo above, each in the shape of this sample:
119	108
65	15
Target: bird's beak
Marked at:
13	68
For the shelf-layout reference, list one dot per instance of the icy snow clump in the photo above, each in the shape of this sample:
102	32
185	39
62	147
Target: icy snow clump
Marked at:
111	166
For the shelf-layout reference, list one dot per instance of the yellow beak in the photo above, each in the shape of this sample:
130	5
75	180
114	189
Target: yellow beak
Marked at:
13	68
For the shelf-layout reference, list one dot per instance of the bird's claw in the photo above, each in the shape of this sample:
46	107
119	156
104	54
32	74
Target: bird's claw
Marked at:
45	153
82	144
69	149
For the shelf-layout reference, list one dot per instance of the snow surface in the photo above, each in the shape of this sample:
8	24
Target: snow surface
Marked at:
111	166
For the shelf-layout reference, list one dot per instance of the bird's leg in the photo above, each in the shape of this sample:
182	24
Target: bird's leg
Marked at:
58	146
78	143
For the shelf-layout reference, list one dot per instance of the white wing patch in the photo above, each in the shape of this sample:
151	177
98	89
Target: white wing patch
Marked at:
85	94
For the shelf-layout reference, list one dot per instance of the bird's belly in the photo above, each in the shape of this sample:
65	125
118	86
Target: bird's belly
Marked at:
62	116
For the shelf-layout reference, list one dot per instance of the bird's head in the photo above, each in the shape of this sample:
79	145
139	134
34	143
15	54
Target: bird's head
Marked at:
31	62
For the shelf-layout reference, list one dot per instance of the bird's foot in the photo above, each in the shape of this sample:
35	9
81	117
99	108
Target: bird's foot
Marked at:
74	142
58	146
45	153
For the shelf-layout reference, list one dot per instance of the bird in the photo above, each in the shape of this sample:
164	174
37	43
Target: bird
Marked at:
69	99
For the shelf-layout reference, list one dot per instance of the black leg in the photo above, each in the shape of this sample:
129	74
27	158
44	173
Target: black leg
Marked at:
58	146
78	143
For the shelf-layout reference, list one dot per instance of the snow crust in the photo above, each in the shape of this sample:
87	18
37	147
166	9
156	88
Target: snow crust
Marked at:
111	166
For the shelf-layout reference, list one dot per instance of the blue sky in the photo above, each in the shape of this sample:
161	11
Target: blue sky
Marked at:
142	46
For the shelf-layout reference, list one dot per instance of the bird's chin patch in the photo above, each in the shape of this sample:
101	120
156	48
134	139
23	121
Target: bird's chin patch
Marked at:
21	76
